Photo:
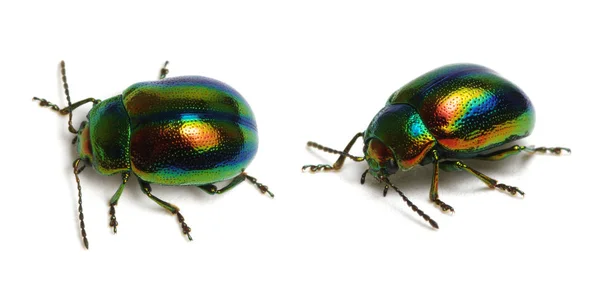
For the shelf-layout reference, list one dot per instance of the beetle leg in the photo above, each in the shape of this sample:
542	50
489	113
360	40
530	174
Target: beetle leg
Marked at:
492	183
433	192
212	189
263	189
145	186
164	71
340	161
114	200
504	153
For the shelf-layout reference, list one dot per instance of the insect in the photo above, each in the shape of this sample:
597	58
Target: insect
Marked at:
455	112
178	131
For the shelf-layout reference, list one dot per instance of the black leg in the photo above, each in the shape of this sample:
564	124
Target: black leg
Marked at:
145	186
340	161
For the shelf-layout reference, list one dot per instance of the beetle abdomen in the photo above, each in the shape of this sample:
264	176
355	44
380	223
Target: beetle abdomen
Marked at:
468	108
189	131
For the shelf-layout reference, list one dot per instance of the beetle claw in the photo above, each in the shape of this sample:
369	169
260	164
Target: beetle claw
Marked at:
510	189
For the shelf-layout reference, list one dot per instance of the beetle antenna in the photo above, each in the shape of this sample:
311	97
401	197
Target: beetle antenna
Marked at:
63	73
409	203
330	150
76	171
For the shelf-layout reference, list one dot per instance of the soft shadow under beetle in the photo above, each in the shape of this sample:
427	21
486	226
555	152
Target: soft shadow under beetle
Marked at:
188	130
455	112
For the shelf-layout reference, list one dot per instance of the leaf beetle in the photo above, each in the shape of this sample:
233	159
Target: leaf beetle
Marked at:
452	113
177	131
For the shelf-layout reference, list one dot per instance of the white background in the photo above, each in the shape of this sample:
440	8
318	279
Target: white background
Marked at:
311	71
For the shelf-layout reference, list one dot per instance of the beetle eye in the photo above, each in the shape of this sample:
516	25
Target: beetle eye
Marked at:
391	167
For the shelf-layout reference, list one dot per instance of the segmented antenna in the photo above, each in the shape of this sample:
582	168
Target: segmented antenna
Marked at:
63	72
330	150
76	171
409	203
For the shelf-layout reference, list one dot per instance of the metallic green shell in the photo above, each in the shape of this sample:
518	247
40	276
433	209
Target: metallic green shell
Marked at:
461	110
108	135
400	127
468	108
189	131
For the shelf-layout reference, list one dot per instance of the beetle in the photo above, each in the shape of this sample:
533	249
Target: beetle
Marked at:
177	131
455	112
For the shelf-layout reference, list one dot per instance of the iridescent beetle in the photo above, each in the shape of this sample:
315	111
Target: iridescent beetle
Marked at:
188	130
460	111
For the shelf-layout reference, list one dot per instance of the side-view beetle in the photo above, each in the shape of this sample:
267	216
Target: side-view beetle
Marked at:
455	112
178	131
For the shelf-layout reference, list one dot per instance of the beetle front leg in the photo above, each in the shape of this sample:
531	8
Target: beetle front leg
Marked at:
212	189
145	186
340	161
433	192
492	183
114	200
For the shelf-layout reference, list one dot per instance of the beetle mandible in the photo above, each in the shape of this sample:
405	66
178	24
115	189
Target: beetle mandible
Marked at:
455	112
187	130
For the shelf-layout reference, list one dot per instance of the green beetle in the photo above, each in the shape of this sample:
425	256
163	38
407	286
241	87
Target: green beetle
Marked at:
460	111
189	130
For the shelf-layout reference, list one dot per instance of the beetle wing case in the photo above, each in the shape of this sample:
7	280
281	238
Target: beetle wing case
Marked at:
468	108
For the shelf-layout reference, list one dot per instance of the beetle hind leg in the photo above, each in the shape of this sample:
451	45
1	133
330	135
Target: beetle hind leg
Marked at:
492	183
504	153
145	186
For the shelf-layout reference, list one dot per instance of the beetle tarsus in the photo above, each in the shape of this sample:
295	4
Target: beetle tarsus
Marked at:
184	227
445	207
512	190
113	219
263	189
553	150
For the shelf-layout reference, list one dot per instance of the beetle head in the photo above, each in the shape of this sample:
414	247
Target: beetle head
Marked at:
84	145
380	158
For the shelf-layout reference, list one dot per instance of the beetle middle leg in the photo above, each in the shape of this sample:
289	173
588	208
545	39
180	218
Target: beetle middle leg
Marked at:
492	183
114	200
145	186
212	189
340	161
433	192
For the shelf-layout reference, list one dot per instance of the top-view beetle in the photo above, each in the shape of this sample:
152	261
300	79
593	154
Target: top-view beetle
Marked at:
188	130
455	112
